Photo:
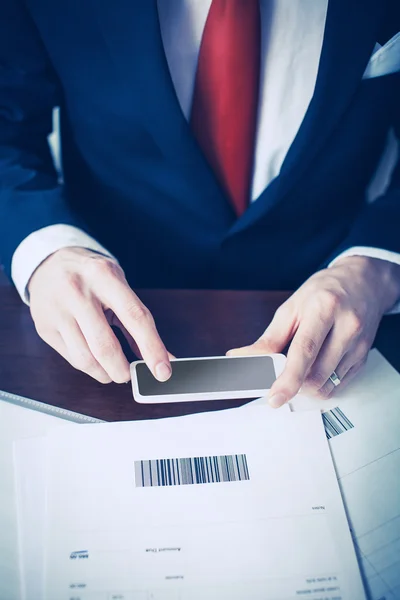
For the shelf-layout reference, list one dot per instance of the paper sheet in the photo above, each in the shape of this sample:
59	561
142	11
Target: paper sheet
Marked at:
31	509
29	455
366	453
367	460
15	423
278	534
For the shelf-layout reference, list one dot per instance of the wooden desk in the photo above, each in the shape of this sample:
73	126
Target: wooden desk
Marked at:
192	323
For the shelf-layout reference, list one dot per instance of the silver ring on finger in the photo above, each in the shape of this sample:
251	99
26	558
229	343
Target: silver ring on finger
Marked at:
335	379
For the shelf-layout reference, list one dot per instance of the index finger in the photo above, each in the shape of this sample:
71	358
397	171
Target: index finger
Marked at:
302	353
138	321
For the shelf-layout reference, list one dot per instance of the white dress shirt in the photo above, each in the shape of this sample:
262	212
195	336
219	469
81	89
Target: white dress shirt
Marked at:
292	36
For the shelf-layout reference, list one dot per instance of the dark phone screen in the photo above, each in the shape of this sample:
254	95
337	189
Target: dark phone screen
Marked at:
210	375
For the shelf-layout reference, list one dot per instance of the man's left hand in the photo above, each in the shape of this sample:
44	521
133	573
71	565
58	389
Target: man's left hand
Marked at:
331	322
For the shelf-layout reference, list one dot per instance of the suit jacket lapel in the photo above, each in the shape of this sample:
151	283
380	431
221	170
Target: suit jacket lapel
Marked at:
350	35
133	29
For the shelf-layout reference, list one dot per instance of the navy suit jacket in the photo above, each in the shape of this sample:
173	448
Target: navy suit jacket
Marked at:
135	177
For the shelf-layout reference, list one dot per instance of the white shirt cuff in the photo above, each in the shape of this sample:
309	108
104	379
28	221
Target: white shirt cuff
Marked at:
393	257
40	244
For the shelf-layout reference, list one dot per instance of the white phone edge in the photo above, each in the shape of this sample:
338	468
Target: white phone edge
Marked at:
279	361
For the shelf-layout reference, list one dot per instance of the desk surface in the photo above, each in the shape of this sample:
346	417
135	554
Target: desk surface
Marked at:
192	323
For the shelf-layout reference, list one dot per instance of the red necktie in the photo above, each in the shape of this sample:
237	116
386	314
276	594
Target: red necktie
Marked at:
224	111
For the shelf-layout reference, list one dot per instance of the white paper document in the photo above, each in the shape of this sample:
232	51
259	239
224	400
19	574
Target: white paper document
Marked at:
367	461
29	500
30	455
251	509
364	428
15	423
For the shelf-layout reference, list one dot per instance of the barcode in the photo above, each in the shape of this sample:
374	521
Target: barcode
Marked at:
190	471
335	422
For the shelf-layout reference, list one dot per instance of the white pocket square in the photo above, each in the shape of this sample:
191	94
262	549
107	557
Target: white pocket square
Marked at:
385	60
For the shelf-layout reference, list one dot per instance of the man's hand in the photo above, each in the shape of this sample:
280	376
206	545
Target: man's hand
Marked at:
331	322
75	296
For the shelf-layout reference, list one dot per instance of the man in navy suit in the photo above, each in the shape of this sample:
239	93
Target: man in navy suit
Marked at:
215	144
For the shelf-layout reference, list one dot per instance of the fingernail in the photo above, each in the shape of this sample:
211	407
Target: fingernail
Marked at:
277	400
163	371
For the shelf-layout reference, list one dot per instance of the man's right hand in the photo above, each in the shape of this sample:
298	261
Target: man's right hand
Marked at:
74	296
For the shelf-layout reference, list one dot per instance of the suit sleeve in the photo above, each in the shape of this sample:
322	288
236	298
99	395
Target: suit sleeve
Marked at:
378	225
30	195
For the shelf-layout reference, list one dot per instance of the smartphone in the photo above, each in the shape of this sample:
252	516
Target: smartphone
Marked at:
208	378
